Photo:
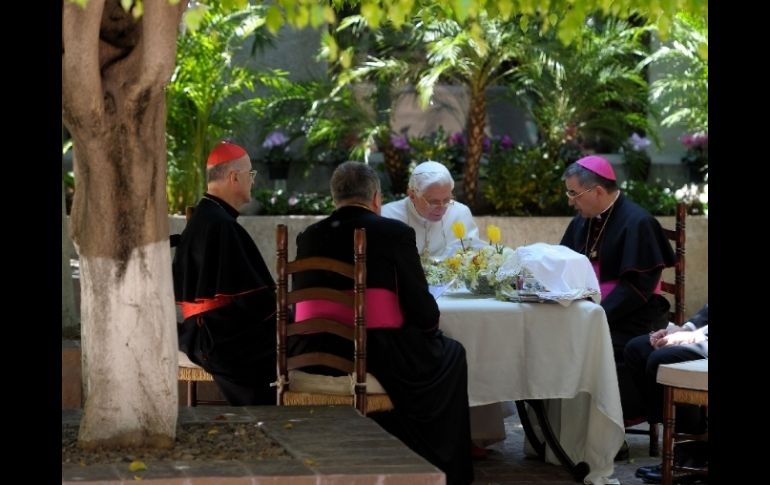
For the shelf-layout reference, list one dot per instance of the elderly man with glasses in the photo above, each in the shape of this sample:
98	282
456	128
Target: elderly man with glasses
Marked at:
431	211
429	208
628	251
223	287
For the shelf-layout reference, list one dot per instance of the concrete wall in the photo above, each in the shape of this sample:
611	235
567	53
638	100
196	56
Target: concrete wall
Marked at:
517	231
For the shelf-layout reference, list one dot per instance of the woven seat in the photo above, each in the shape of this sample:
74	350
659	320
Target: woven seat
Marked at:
357	396
677	315
683	383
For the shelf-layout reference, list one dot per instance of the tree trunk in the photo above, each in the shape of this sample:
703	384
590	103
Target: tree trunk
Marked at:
476	122
394	165
114	69
69	317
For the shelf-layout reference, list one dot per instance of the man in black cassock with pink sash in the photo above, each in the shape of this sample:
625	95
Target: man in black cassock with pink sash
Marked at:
223	287
628	251
424	372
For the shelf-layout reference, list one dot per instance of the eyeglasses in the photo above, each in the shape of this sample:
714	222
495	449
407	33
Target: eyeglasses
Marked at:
438	204
252	173
572	195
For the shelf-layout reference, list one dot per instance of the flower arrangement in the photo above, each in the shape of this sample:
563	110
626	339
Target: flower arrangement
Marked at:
276	155
637	159
476	268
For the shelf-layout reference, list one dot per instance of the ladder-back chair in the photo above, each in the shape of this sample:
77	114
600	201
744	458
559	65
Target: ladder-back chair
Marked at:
677	314
364	402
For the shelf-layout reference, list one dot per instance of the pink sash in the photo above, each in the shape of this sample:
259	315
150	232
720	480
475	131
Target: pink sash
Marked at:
605	287
382	310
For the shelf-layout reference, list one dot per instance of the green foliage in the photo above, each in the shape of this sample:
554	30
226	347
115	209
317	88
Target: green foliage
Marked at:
277	203
207	97
526	181
654	197
331	121
590	92
681	94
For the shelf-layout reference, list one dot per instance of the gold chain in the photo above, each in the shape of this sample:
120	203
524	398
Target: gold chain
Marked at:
593	253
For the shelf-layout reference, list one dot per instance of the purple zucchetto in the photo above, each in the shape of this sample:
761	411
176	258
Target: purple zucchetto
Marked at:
598	165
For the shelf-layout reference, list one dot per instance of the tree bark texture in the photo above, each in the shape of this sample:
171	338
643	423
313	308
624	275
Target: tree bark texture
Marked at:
395	165
114	69
476	123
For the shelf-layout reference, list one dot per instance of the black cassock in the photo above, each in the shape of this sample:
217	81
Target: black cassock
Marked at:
631	247
235	343
424	372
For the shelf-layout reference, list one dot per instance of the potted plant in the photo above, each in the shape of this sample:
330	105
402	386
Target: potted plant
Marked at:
697	155
277	156
636	158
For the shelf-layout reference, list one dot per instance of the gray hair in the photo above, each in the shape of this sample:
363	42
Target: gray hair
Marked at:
588	178
354	182
429	173
219	171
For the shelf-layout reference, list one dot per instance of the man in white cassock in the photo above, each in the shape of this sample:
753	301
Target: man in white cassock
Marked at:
430	209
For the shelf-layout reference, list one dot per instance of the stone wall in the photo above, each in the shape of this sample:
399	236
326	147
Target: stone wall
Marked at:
517	231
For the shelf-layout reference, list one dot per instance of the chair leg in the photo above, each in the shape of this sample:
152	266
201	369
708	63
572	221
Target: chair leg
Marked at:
192	393
668	435
654	440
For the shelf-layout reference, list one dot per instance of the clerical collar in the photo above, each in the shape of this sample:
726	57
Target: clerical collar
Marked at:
598	217
221	203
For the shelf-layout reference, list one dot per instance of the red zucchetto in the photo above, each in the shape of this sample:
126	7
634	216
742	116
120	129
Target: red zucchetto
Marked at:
225	152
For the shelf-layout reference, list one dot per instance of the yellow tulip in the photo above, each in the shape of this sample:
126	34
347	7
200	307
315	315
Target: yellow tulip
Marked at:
458	228
493	233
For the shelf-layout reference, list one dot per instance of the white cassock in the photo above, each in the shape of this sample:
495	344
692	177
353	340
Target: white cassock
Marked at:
487	426
437	237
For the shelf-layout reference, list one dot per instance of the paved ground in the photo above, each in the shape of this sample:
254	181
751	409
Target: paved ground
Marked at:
507	464
321	441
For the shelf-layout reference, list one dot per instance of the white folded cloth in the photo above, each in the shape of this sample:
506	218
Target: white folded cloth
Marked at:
565	274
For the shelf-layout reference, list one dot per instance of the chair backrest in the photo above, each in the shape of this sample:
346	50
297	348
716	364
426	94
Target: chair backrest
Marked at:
356	301
676	288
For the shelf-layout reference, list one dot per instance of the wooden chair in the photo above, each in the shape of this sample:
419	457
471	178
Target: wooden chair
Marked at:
363	402
677	315
188	371
683	383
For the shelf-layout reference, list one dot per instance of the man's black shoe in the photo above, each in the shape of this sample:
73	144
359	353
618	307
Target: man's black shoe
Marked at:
657	477
642	471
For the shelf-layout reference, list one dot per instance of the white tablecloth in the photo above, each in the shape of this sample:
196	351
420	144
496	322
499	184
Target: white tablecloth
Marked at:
522	351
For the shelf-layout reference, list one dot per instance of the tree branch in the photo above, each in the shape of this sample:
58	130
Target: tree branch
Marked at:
81	79
160	24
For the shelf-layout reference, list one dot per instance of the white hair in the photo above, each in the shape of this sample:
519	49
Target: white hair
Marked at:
430	173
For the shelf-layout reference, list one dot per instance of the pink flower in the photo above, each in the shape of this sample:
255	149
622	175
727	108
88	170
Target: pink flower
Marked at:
456	139
399	142
695	140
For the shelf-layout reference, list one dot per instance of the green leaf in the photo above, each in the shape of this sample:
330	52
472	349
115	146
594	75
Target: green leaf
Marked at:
126	4
346	58
372	13
194	16
316	15
273	19
138	10
506	8
461	9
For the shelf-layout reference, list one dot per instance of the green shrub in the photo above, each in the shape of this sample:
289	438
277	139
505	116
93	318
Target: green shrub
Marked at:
526	181
278	203
658	200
